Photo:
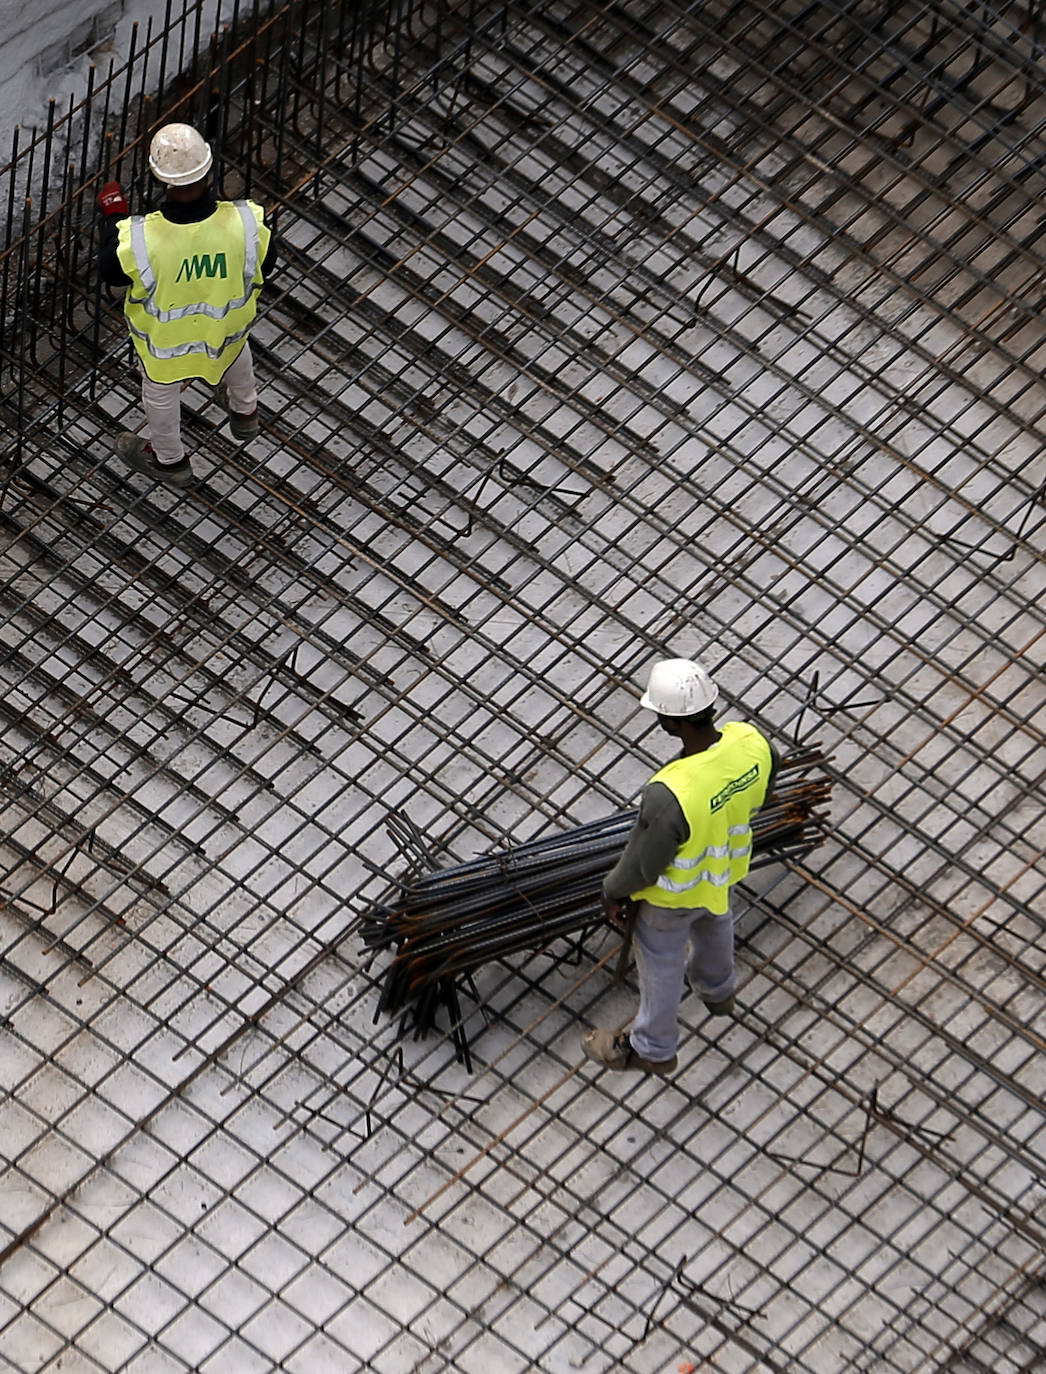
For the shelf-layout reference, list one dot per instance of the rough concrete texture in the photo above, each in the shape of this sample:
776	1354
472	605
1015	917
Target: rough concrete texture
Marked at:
49	46
638	331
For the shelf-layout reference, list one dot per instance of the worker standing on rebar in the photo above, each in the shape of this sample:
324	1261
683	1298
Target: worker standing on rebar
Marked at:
193	270
692	840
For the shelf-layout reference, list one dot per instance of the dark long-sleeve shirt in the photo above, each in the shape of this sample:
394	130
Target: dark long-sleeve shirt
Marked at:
659	832
178	212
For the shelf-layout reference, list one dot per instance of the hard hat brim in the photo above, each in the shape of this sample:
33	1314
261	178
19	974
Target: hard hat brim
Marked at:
188	178
649	705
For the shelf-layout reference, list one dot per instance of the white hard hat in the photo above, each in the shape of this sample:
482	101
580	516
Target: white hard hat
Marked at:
178	155
678	687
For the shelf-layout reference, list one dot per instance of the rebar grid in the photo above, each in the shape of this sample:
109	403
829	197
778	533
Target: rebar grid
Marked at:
601	331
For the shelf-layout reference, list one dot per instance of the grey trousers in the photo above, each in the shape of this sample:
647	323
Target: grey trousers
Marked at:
660	941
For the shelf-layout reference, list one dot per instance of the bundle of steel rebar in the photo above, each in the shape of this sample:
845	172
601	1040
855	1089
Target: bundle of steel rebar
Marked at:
447	923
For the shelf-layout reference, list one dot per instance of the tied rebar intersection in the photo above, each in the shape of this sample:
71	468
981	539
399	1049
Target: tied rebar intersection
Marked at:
601	331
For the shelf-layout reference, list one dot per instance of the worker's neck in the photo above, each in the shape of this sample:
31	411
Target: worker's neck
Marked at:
697	741
185	195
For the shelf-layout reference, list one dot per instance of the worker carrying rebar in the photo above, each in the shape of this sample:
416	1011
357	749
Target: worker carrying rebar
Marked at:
193	270
691	841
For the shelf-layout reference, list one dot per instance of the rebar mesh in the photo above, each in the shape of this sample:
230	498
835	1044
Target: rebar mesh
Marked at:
601	331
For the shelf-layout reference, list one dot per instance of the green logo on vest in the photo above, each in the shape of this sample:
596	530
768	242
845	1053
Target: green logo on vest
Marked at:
202	265
732	788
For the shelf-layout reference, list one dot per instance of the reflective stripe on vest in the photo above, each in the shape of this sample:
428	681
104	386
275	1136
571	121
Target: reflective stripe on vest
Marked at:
713	851
216	263
717	791
186	350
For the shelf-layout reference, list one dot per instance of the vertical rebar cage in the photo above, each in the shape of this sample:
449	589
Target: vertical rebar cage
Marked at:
601	331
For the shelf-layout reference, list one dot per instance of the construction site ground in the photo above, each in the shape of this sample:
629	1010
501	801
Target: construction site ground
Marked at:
601	332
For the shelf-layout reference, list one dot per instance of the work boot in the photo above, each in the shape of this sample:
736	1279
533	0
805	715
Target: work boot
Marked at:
723	1008
242	426
613	1049
138	453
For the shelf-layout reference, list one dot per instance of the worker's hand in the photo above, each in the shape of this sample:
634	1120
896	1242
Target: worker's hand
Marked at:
111	200
613	910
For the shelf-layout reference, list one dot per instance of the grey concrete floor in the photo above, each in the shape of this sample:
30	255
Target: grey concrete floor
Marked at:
665	333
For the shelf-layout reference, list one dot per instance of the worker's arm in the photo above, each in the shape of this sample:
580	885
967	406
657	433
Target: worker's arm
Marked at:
109	269
272	255
114	208
659	832
775	764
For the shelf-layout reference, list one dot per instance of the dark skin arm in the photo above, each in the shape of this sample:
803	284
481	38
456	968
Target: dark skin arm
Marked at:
614	909
775	763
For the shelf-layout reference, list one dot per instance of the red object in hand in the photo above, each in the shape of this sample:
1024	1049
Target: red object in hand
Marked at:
111	199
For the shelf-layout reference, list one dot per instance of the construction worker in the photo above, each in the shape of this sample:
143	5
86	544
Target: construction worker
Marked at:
692	840
193	270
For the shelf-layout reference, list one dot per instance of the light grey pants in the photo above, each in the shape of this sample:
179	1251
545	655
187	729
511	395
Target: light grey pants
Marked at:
162	403
660	942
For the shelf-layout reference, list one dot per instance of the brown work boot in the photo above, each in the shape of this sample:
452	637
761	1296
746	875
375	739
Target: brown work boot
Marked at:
723	1008
242	426
613	1049
138	453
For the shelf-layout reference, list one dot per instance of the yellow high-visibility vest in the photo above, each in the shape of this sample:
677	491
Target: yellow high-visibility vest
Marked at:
194	288
718	791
